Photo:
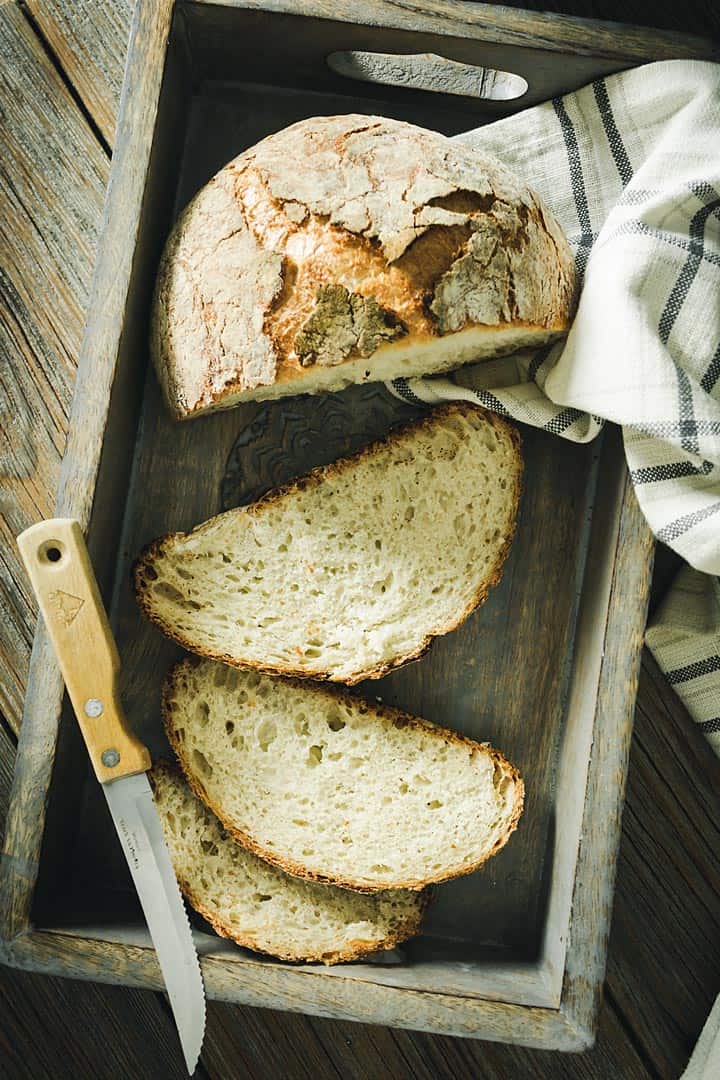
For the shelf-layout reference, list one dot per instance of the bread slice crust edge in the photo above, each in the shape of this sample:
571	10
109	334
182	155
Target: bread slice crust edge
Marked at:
142	568
407	929
396	717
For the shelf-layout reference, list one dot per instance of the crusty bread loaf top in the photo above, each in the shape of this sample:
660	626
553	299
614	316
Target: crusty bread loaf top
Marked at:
349	237
261	907
336	789
351	570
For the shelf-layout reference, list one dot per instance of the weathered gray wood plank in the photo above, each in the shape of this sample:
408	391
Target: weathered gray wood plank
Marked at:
664	965
7	758
499	24
503	25
52	181
96	390
63	1029
88	40
266	1044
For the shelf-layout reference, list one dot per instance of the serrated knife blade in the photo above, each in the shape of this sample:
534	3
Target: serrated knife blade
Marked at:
64	582
138	826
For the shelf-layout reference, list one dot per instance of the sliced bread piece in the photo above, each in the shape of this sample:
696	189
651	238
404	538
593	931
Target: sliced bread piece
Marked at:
334	789
351	570
262	908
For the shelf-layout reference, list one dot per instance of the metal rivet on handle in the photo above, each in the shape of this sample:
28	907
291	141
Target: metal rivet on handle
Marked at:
93	707
110	758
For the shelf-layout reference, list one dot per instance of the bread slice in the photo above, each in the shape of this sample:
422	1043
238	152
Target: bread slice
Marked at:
333	789
351	570
348	249
262	908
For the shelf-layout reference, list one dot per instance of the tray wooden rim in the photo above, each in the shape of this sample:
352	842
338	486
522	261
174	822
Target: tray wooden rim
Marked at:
501	25
571	1025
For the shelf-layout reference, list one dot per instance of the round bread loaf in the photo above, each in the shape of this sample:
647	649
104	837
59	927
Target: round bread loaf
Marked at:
351	249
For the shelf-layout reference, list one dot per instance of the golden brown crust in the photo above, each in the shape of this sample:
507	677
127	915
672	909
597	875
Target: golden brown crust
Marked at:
440	235
142	567
361	949
387	712
406	929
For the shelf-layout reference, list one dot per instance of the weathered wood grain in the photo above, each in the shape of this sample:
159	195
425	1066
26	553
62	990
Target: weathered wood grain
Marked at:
595	874
263	1042
664	966
431	1058
60	1028
88	41
295	52
133	1031
32	436
104	402
48	249
505	26
7	758
266	1044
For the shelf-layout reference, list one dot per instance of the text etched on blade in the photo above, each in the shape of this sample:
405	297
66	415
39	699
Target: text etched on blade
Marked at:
129	838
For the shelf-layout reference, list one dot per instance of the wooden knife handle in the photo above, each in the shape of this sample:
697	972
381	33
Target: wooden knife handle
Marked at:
62	576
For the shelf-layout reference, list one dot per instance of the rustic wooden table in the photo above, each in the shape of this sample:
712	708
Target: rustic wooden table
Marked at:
59	85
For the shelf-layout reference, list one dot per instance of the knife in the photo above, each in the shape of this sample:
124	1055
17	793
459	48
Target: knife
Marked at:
61	574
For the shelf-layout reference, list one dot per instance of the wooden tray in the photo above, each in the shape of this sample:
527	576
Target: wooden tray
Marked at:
547	669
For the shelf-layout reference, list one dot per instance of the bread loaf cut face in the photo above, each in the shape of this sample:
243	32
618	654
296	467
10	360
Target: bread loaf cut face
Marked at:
353	569
332	788
350	249
259	906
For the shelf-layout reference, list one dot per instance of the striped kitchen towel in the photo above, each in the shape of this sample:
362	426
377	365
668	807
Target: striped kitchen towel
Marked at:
631	168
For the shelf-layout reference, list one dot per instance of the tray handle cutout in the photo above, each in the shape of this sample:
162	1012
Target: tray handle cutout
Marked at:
428	71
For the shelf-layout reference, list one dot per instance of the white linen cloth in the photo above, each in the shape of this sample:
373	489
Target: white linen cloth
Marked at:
630	165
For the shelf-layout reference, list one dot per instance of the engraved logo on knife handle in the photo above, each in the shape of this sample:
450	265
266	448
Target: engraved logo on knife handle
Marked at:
65	605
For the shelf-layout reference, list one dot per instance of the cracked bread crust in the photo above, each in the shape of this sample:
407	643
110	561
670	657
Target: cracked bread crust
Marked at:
435	234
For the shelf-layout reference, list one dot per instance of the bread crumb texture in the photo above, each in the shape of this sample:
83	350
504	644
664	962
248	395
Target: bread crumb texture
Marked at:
347	237
332	788
259	906
355	568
